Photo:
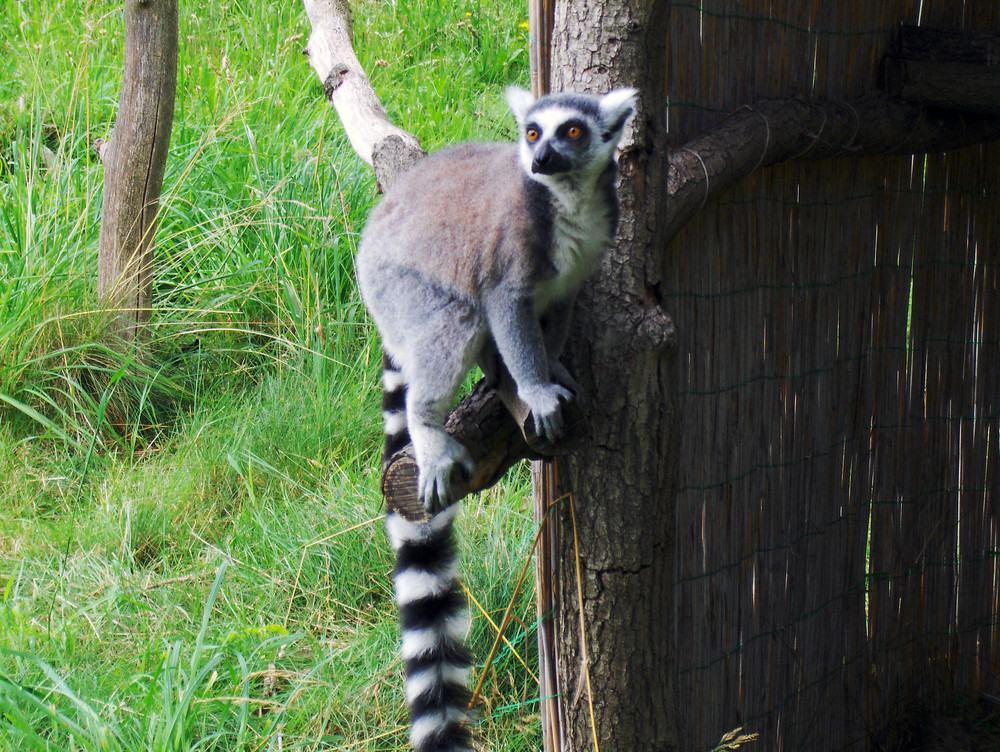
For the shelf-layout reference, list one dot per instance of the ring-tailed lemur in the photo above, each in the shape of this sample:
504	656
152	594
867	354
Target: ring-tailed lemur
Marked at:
475	256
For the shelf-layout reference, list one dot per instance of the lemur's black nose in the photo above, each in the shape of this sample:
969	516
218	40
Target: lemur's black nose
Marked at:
548	161
543	158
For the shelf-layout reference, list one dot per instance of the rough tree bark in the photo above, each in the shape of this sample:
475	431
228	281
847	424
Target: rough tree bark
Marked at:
617	489
135	158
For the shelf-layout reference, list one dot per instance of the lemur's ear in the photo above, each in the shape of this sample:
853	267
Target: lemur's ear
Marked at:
519	101
616	108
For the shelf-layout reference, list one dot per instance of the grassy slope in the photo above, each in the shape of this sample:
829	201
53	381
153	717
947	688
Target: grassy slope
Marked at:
190	548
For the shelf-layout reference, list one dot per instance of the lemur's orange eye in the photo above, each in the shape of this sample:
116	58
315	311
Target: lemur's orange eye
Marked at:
531	134
574	131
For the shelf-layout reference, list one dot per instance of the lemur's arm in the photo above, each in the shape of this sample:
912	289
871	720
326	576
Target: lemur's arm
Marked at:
510	313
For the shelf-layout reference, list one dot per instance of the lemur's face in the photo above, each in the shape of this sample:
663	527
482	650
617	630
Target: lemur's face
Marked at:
564	134
558	140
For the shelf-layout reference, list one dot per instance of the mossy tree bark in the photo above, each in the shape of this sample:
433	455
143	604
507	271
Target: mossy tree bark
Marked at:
135	159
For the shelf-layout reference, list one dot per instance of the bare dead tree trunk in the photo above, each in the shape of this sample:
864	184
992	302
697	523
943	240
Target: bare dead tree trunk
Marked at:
134	160
615	494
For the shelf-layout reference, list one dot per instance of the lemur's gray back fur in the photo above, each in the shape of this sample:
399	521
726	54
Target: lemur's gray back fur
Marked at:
475	256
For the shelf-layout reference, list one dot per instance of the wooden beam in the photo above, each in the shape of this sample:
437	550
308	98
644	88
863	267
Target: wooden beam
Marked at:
947	68
787	130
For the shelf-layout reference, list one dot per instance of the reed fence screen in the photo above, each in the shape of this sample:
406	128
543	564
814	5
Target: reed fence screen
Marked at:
838	565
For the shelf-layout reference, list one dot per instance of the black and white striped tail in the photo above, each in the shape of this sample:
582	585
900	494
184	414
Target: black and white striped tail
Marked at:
432	608
434	620
397	435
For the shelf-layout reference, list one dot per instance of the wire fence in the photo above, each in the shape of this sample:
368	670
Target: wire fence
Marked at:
838	567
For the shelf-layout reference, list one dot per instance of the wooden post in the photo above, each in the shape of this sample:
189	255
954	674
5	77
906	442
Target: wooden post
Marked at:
544	473
134	160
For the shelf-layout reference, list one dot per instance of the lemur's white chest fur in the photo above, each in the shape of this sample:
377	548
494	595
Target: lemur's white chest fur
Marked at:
582	227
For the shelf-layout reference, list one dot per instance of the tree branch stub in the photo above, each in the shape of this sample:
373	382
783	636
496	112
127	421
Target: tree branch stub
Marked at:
497	429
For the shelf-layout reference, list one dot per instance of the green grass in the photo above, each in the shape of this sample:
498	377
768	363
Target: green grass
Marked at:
191	549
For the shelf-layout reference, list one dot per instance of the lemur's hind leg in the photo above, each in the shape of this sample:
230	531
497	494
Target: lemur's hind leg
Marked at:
441	350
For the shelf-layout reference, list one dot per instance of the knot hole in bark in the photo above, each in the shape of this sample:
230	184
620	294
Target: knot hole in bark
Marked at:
335	79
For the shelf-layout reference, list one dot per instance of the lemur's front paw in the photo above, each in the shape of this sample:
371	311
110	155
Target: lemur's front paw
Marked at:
561	375
546	408
437	477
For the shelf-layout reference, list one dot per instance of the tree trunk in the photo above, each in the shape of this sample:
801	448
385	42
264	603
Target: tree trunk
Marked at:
135	158
615	494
